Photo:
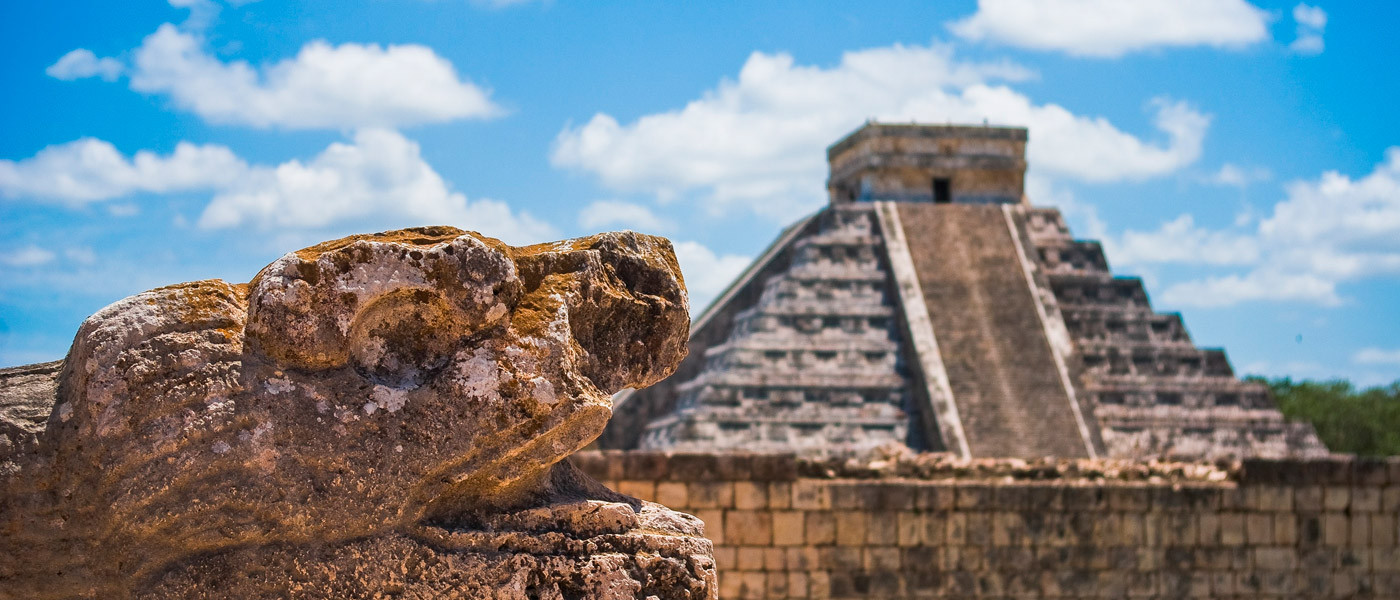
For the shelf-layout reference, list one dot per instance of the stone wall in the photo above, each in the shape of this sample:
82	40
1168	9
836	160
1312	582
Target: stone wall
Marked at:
788	528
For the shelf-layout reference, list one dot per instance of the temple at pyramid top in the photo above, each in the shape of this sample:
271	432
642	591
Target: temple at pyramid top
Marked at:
931	305
928	163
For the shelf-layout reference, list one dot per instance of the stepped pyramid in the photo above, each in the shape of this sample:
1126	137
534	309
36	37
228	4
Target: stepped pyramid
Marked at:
929	304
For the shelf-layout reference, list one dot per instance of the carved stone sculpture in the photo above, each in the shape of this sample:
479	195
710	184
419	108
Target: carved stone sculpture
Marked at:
378	416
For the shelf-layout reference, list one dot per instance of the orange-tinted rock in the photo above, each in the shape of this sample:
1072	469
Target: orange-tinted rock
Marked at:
379	414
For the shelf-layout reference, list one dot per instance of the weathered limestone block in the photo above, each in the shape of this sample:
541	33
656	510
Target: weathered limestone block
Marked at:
383	414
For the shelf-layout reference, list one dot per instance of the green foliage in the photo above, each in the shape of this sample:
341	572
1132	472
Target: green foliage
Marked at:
1364	422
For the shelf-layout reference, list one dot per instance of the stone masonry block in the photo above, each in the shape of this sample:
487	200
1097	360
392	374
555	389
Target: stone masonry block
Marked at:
797	585
1390	499
710	494
789	528
979	529
821	528
638	464
726	558
1259	528
748	528
1044	497
1383	530
773	467
811	494
642	490
935	529
910	526
780	494
730	584
973	496
1366	499
957	529
1336	498
1008	529
1308	498
1129	498
1335	529
940	496
672	494
882	528
693	467
777	585
850	528
714	524
1285	529
1085	498
734	466
882	558
802	558
848	496
1133	530
818	585
1232	529
749	495
775	559
1360	529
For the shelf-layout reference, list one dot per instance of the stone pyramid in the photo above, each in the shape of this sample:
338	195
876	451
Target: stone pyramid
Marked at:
931	305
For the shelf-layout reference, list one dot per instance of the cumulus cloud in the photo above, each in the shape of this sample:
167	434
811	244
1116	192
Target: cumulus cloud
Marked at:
756	141
323	87
1324	233
28	256
1233	175
1312	21
82	63
1112	28
706	273
379	174
1377	356
88	170
611	213
1180	241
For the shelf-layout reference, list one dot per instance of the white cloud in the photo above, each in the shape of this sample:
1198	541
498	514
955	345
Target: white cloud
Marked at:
756	141
1326	232
28	256
322	87
1377	356
706	273
611	213
1236	176
1312	22
1180	241
125	209
380	175
1310	16
1268	285
88	170
1112	28
82	63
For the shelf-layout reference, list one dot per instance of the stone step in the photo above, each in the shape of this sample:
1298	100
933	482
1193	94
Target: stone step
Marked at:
1000	365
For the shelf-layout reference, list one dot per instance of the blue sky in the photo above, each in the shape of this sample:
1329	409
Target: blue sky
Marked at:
1237	156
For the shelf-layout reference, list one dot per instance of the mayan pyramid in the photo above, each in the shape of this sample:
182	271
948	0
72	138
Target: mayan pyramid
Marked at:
930	304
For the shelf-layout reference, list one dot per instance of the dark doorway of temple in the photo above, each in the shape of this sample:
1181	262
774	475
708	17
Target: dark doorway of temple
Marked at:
942	191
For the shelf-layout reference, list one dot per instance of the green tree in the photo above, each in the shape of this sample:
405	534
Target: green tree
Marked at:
1364	422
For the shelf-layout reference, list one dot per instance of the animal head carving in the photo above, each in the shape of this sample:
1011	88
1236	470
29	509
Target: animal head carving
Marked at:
354	386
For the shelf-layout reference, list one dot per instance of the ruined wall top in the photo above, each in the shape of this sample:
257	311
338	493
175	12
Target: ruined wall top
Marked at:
929	163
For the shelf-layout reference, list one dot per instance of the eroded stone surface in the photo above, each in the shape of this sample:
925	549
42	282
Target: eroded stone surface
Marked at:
397	403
